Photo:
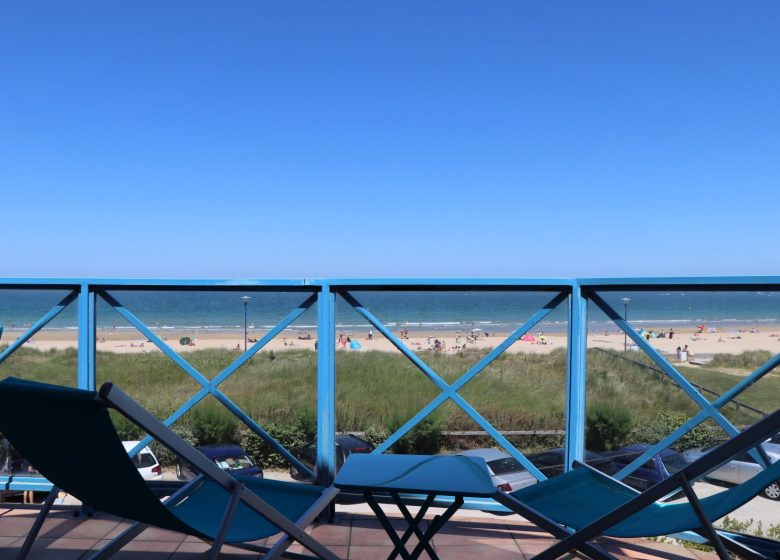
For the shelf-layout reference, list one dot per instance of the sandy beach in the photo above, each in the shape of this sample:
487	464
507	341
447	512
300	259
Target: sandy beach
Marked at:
130	341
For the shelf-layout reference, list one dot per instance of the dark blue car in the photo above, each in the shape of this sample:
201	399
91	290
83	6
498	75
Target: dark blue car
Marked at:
227	456
652	471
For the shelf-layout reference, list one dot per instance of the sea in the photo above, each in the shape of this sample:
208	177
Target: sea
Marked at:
498	312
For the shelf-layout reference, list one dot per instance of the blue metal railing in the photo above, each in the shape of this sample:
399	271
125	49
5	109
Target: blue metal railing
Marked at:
578	293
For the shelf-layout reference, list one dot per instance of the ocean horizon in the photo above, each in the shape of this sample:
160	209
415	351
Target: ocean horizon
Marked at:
416	311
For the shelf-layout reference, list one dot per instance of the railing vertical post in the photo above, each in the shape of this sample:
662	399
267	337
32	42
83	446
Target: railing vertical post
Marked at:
86	338
326	385
575	376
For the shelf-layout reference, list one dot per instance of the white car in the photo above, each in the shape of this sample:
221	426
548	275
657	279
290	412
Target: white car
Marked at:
506	472
743	467
145	461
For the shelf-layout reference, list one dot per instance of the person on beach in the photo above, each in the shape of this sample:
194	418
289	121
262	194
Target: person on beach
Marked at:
370	334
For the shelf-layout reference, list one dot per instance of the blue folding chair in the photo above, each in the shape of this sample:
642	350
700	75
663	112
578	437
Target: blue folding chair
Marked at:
584	503
67	434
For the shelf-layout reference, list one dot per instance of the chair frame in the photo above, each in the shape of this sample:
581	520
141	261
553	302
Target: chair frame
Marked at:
113	397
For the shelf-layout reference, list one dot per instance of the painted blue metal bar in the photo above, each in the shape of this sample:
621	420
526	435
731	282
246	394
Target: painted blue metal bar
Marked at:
509	341
711	283
496	435
83	337
731	283
414	358
156	340
654	449
91	339
39	324
746	382
676	376
412	422
576	366
719	403
270	335
181	411
204	382
326	386
473	371
664	364
143	283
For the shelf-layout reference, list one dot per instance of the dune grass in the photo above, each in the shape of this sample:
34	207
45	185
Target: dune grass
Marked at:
517	391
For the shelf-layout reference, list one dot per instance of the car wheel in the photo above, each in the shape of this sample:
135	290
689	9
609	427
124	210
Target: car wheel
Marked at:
773	491
179	474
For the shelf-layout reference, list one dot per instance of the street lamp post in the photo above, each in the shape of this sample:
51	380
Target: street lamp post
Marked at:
245	299
626	301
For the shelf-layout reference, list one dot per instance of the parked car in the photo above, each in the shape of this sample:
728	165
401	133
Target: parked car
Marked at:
772	445
654	470
145	461
509	475
506	472
227	456
346	444
743	467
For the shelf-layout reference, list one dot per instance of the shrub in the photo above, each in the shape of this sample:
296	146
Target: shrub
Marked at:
165	456
608	426
423	439
668	421
212	423
289	434
125	429
376	435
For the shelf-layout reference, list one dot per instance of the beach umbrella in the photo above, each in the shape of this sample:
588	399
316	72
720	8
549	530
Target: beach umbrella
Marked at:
355	345
529	338
185	340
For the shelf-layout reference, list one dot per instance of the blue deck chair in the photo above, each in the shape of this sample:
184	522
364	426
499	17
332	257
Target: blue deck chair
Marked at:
590	503
67	434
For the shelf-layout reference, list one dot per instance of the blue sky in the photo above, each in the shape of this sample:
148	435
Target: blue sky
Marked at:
287	139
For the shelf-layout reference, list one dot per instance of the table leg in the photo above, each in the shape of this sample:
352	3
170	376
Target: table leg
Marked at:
414	522
388	527
435	526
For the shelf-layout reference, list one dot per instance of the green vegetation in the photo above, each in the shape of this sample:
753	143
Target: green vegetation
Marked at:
608	426
377	392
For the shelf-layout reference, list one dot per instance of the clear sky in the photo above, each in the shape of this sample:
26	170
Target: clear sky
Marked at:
360	138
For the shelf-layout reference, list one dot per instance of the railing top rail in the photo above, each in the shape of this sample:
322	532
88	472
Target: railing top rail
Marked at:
691	283
158	283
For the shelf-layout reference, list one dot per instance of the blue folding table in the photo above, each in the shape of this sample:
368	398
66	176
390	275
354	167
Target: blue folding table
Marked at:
431	476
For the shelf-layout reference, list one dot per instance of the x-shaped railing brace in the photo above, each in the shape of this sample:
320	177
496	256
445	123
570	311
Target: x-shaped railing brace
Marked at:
211	387
450	392
708	409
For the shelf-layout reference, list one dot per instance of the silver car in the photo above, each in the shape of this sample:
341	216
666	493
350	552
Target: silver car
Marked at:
772	445
506	472
743	467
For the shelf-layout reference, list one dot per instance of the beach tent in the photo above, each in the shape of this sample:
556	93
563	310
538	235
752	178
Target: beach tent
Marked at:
529	338
354	345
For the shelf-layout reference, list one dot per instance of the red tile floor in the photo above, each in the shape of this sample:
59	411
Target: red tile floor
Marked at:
352	535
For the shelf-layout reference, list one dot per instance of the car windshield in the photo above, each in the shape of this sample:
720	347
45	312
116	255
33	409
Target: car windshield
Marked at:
674	463
233	463
505	465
